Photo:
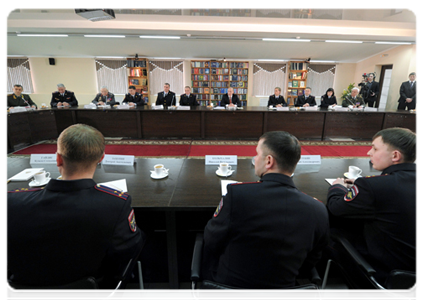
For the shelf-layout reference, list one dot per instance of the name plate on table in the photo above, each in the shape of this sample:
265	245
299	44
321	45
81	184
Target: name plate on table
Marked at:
310	160
118	160
310	107
17	109
123	106
183	107
340	108
370	109
217	159
43	159
282	108
157	107
90	106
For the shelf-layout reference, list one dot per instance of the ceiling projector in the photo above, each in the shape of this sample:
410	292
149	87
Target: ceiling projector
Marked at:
96	14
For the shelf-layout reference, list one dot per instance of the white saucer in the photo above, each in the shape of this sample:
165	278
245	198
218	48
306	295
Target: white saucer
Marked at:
346	174
224	175
154	176
33	183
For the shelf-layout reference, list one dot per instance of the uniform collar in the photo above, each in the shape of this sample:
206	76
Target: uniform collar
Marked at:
69	185
400	167
278	177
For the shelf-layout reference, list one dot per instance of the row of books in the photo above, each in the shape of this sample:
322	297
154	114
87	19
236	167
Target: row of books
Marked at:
219	71
293	75
298	66
137	72
220	83
296	83
136	63
144	90
138	81
200	77
216	64
201	83
201	90
238	84
229	78
294	92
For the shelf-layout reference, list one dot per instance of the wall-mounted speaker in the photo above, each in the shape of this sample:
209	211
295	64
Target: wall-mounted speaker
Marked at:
52	61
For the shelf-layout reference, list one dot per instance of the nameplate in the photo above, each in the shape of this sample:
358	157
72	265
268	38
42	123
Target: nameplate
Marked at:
219	107
310	160
123	107
310	108
43	159
217	159
183	107
118	160
282	108
337	108
370	109
90	106
17	109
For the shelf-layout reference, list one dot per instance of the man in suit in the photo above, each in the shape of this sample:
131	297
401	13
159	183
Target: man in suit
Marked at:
354	99
408	93
188	99
104	97
19	99
370	90
133	97
230	99
263	233
277	99
63	97
306	99
166	98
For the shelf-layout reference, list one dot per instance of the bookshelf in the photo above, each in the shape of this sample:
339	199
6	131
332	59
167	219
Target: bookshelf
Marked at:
138	74
297	80
211	80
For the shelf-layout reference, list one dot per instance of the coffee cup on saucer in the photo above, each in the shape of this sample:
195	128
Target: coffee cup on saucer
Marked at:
159	170
224	168
354	171
41	177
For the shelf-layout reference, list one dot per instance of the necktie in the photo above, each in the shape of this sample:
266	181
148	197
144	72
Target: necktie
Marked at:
411	83
230	100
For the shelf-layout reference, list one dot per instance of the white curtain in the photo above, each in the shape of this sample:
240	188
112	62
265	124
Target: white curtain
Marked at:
162	72
320	81
266	77
19	72
112	73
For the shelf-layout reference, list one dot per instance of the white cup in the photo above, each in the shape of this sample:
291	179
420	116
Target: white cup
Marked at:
160	170
224	168
354	171
41	177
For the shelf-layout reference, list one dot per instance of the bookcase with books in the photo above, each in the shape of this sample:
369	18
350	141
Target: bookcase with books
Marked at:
211	80
137	70
297	80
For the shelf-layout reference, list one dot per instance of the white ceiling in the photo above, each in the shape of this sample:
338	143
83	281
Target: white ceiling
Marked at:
210	37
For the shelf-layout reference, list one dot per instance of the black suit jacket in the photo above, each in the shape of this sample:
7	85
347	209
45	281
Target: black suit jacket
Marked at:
262	233
301	100
225	100
169	100
22	100
275	101
406	91
137	99
325	101
366	91
188	101
68	97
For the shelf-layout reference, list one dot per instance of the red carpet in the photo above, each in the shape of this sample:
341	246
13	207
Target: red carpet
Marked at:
188	149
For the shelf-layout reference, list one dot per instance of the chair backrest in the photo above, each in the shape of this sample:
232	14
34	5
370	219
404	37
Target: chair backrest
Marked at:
84	289
399	279
212	290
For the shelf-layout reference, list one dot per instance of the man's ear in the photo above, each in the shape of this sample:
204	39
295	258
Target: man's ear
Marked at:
102	157
270	161
397	156
59	160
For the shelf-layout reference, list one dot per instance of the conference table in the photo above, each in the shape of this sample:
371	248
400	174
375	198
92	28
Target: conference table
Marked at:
172	210
204	123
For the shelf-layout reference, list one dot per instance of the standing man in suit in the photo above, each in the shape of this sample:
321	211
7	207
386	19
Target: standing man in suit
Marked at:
408	93
166	98
230	99
306	99
188	99
63	97
133	97
370	90
104	97
19	99
277	99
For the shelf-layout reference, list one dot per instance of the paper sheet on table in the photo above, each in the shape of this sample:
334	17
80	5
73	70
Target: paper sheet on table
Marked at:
25	174
224	184
330	180
219	107
119	185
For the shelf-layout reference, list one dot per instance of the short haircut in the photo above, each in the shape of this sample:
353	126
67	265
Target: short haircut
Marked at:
230	88
188	87
18	85
81	146
401	139
132	87
60	85
308	88
278	88
412	73
167	84
355	88
284	147
104	87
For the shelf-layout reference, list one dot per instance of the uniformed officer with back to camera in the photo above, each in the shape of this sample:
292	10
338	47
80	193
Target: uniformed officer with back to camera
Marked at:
264	233
167	97
73	228
378	213
19	99
188	99
133	98
63	97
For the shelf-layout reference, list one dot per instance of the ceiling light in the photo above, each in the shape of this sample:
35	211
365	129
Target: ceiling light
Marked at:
271	60
285	40
393	43
322	61
103	36
43	35
159	37
342	41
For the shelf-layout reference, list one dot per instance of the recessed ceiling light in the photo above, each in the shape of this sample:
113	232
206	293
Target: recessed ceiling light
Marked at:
393	43
284	40
42	35
103	36
343	41
159	37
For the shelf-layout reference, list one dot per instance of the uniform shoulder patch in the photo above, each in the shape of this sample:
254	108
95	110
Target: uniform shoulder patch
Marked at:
25	190
108	190
131	221
218	209
351	194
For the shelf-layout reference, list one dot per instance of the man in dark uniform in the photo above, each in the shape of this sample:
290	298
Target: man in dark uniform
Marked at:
63	97
19	99
378	213
133	97
188	99
306	99
264	232
230	99
104	97
277	99
369	90
408	93
166	98
73	227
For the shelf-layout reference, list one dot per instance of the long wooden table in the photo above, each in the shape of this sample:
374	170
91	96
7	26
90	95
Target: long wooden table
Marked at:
172	210
204	123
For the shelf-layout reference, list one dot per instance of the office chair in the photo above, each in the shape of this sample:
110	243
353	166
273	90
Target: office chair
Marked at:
397	279
207	290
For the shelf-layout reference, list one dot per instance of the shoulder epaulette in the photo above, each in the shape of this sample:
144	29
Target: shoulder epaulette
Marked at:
25	190
370	176
239	183
105	189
